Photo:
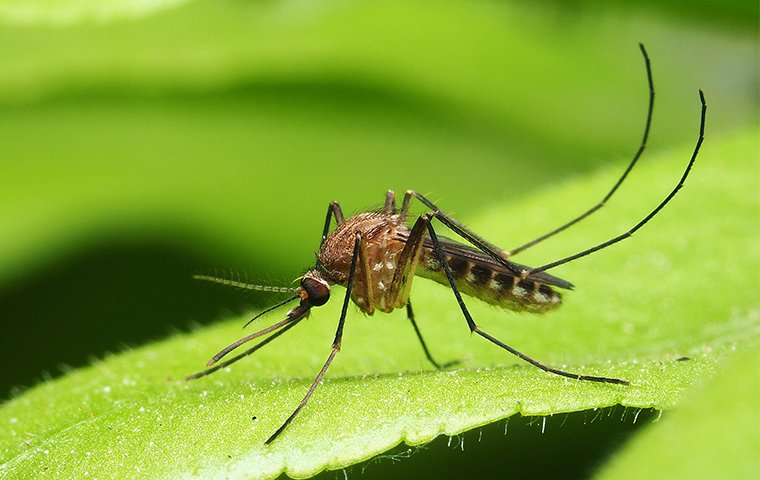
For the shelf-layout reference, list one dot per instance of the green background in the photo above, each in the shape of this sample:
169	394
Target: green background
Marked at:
142	145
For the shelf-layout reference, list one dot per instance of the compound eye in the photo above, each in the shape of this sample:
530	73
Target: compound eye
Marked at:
317	290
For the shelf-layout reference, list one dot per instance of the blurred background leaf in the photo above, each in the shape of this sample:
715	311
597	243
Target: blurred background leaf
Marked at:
141	145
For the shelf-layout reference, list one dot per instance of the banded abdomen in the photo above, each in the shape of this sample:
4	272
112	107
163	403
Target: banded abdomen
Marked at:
480	276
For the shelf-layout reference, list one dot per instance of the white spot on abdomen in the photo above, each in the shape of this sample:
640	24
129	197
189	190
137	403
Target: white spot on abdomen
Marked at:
520	292
540	297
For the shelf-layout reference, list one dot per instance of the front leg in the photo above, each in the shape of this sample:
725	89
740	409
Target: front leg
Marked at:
333	210
476	329
501	256
364	295
438	366
390	203
335	344
402	281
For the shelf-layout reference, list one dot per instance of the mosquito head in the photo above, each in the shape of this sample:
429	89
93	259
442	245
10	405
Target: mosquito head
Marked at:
314	290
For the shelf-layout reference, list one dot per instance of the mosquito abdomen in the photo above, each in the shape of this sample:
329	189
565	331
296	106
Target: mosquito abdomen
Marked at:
489	283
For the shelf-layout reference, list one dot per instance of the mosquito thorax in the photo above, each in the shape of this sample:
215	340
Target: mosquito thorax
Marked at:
314	289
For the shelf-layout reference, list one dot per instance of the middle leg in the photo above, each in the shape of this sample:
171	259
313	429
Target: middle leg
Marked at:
476	329
438	366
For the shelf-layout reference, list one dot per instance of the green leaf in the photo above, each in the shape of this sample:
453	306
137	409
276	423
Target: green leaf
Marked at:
225	127
638	310
723	415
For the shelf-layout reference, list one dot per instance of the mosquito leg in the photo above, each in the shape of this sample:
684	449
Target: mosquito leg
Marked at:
628	169
364	272
501	256
335	344
333	210
651	214
474	327
405	205
390	202
476	240
406	264
410	316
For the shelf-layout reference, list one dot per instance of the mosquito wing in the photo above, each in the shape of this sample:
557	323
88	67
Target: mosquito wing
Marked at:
481	276
467	252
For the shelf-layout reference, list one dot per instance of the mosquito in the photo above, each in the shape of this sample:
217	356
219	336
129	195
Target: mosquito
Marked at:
375	256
